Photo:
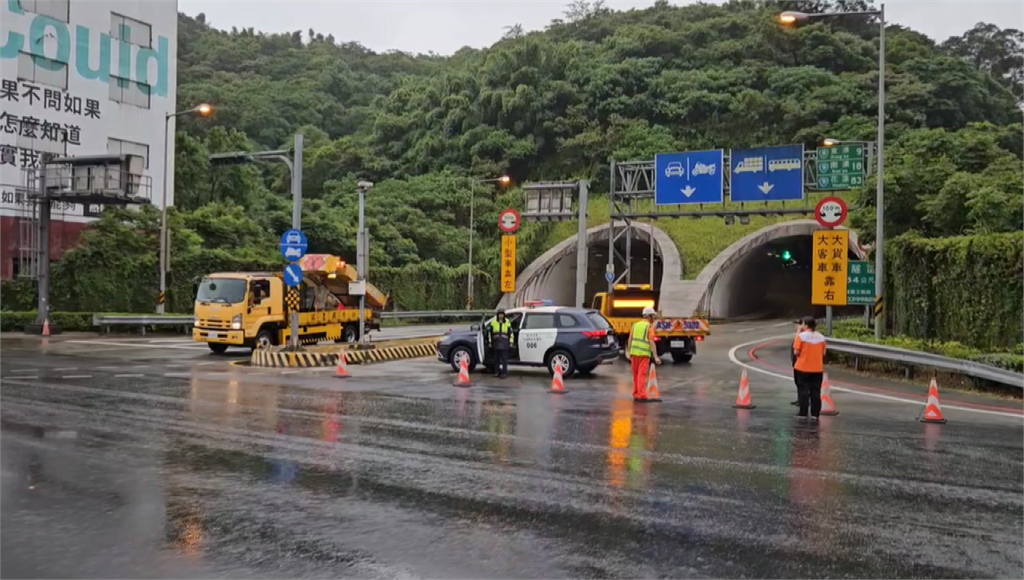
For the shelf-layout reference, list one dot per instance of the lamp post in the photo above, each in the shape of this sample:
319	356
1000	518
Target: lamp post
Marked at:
503	180
204	110
796	18
362	255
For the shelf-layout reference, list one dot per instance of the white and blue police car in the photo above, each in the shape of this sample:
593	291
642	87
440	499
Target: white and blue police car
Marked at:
576	339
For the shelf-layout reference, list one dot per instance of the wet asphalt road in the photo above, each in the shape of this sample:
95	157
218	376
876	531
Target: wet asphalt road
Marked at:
140	458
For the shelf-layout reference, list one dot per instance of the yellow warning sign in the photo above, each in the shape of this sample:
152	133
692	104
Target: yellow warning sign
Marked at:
829	267
508	264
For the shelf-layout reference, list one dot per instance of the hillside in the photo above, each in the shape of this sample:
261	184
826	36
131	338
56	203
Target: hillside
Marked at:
551	105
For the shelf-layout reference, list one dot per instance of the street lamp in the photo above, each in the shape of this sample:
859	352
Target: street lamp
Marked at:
796	18
204	110
504	181
362	252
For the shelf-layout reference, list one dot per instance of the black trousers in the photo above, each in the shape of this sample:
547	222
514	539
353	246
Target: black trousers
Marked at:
808	392
501	362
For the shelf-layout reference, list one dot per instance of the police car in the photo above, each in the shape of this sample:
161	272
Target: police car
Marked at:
577	339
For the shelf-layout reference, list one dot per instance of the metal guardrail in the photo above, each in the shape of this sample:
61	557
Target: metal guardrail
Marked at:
412	314
141	320
925	359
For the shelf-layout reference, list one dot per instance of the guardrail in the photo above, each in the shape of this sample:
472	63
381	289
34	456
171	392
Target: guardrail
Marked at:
106	321
913	358
435	314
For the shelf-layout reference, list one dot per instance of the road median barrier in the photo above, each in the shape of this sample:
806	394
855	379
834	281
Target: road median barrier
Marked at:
327	355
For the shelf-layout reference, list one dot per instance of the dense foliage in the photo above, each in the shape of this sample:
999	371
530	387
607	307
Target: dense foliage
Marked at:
552	104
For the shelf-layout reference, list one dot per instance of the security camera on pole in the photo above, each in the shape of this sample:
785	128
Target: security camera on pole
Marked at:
362	255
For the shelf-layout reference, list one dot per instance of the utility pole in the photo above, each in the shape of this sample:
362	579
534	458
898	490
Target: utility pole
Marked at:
880	179
581	245
362	251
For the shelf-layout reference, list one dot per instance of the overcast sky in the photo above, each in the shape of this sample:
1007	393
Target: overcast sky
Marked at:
445	26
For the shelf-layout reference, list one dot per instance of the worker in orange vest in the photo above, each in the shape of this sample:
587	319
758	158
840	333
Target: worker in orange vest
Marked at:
809	368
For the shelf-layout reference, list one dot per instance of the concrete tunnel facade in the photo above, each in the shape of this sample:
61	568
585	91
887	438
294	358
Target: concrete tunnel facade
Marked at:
725	288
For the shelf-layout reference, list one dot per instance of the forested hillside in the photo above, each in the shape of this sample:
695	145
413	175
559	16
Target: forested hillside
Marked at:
556	104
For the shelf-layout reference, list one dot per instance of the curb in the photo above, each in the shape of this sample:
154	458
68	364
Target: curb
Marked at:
282	359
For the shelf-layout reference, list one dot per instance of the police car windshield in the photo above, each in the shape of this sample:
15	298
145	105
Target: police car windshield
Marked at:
599	321
222	290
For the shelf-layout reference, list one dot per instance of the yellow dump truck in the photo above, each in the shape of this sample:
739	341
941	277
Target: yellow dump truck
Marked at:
623	308
250	308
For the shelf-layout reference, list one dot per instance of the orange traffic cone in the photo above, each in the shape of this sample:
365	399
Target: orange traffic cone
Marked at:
558	382
653	396
827	406
743	395
932	410
46	327
342	371
463	380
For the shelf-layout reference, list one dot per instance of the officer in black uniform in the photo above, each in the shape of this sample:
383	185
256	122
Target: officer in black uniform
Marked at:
500	338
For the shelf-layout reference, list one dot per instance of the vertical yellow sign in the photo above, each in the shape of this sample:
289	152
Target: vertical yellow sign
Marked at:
508	264
829	267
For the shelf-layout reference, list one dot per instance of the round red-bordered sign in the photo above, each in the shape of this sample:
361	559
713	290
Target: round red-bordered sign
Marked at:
831	212
508	221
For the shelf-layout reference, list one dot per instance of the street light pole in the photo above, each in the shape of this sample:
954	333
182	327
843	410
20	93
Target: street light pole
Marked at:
362	249
880	179
504	180
794	18
165	253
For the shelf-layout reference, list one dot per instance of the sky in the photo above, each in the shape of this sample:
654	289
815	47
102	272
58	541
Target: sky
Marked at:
445	26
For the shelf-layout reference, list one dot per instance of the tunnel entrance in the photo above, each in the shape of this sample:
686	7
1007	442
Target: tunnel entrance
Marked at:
555	276
772	280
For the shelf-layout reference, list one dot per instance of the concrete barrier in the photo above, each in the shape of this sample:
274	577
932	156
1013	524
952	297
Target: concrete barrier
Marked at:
274	358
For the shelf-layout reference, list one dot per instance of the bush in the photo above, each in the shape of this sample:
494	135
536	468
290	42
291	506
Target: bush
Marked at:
855	329
965	289
68	321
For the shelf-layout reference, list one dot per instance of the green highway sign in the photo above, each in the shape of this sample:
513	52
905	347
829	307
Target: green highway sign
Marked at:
840	167
860	283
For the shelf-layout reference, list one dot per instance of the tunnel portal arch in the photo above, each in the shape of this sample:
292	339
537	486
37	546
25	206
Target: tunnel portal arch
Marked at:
552	274
719	282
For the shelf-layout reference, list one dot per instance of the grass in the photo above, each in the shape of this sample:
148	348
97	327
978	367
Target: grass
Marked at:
699	240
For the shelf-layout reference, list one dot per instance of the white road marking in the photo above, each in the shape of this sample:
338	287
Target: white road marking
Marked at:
209	362
28	376
732	357
24	371
139	345
67	369
128	375
76	376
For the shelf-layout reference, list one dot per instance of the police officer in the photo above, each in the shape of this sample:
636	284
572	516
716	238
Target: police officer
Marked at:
641	350
501	340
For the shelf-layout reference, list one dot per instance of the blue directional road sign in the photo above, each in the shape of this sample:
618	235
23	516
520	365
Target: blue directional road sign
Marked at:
293	275
293	245
686	178
767	174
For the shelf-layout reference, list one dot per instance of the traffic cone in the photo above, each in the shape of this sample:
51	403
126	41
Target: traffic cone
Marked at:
463	380
653	396
827	406
557	382
932	410
46	327
342	371
743	395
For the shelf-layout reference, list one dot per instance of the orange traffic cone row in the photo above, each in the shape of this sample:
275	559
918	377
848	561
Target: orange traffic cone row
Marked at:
653	396
463	380
342	371
558	382
46	327
932	411
743	395
827	406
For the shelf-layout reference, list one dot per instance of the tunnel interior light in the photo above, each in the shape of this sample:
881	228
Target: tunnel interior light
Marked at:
633	303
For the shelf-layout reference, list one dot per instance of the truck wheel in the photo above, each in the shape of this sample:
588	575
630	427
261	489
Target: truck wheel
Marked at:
350	333
217	347
459	353
265	339
680	356
561	358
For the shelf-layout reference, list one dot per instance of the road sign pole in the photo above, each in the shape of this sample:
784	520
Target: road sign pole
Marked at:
880	176
293	342
469	269
610	267
828	320
581	245
361	251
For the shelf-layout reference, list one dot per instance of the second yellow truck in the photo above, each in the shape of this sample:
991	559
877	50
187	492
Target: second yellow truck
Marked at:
622	308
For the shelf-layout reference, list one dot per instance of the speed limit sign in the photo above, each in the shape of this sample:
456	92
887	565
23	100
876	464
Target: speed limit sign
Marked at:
831	212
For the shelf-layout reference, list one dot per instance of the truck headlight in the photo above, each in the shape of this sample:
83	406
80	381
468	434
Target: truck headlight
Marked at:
236	322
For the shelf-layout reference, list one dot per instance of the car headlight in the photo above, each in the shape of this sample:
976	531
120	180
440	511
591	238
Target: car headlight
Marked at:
236	322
